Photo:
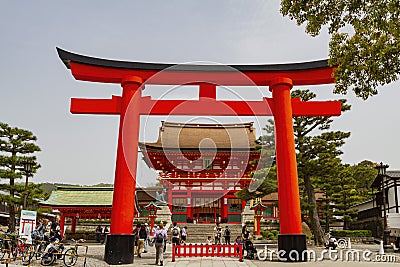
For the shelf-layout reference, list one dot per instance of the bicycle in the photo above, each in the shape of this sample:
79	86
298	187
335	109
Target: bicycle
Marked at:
14	246
6	246
54	251
71	255
36	250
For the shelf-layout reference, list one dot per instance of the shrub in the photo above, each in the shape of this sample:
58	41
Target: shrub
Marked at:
275	232
263	233
270	236
351	233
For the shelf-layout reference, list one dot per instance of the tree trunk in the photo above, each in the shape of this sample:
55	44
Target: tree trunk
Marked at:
313	212
11	219
11	211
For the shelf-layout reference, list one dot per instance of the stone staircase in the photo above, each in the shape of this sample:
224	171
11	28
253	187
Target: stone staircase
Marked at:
198	233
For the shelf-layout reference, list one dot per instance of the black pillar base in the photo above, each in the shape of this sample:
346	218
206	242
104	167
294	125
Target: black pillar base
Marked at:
119	249
292	248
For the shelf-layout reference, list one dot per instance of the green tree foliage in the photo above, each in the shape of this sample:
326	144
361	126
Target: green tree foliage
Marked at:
365	39
36	193
345	187
16	146
344	195
264	178
317	157
363	175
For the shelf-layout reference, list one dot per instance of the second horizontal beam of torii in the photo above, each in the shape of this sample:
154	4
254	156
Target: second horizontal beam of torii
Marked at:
205	107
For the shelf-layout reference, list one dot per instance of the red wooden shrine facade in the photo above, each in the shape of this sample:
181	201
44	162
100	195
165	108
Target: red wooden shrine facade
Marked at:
201	167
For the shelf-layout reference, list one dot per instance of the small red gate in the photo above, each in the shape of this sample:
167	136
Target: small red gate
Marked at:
205	250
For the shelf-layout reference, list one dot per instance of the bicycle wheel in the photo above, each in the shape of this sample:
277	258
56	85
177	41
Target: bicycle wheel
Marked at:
40	250
48	259
27	254
70	257
14	251
2	249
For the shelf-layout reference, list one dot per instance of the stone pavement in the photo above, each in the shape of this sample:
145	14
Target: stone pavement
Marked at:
96	253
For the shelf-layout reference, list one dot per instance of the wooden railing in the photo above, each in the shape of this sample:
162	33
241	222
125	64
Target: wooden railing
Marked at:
206	250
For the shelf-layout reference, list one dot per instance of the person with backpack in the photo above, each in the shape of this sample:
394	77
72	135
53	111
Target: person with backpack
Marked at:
142	236
175	234
38	233
160	238
227	235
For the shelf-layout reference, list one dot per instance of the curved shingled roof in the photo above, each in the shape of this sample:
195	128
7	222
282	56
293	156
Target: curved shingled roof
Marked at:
80	196
204	136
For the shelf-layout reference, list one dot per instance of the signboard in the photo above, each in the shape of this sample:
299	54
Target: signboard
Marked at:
27	223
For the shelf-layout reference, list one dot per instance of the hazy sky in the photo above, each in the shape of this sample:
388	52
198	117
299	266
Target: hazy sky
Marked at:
36	87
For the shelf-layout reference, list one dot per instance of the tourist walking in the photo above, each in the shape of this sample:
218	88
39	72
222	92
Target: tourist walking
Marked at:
160	238
175	234
184	234
147	240
227	235
217	234
142	236
135	233
245	236
245	233
106	231
98	233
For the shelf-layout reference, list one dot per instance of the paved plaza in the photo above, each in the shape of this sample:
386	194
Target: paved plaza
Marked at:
96	253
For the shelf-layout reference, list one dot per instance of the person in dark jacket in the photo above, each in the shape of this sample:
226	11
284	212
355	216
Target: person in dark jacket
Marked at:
142	236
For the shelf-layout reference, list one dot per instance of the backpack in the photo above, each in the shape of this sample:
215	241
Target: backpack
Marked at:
159	238
175	231
227	232
142	233
35	234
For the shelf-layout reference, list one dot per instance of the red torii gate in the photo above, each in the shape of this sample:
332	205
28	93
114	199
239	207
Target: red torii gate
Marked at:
134	75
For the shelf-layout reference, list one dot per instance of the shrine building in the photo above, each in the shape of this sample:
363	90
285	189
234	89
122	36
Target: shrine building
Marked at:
73	203
201	166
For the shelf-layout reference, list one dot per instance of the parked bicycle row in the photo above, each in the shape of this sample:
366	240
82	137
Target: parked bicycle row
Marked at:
44	246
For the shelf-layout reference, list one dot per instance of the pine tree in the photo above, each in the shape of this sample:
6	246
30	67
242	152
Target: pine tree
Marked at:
317	153
16	145
264	178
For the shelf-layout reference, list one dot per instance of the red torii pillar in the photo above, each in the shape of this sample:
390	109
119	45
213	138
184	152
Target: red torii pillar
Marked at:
125	173
291	236
125	170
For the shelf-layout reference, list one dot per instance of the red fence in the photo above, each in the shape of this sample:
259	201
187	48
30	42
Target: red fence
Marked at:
204	250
